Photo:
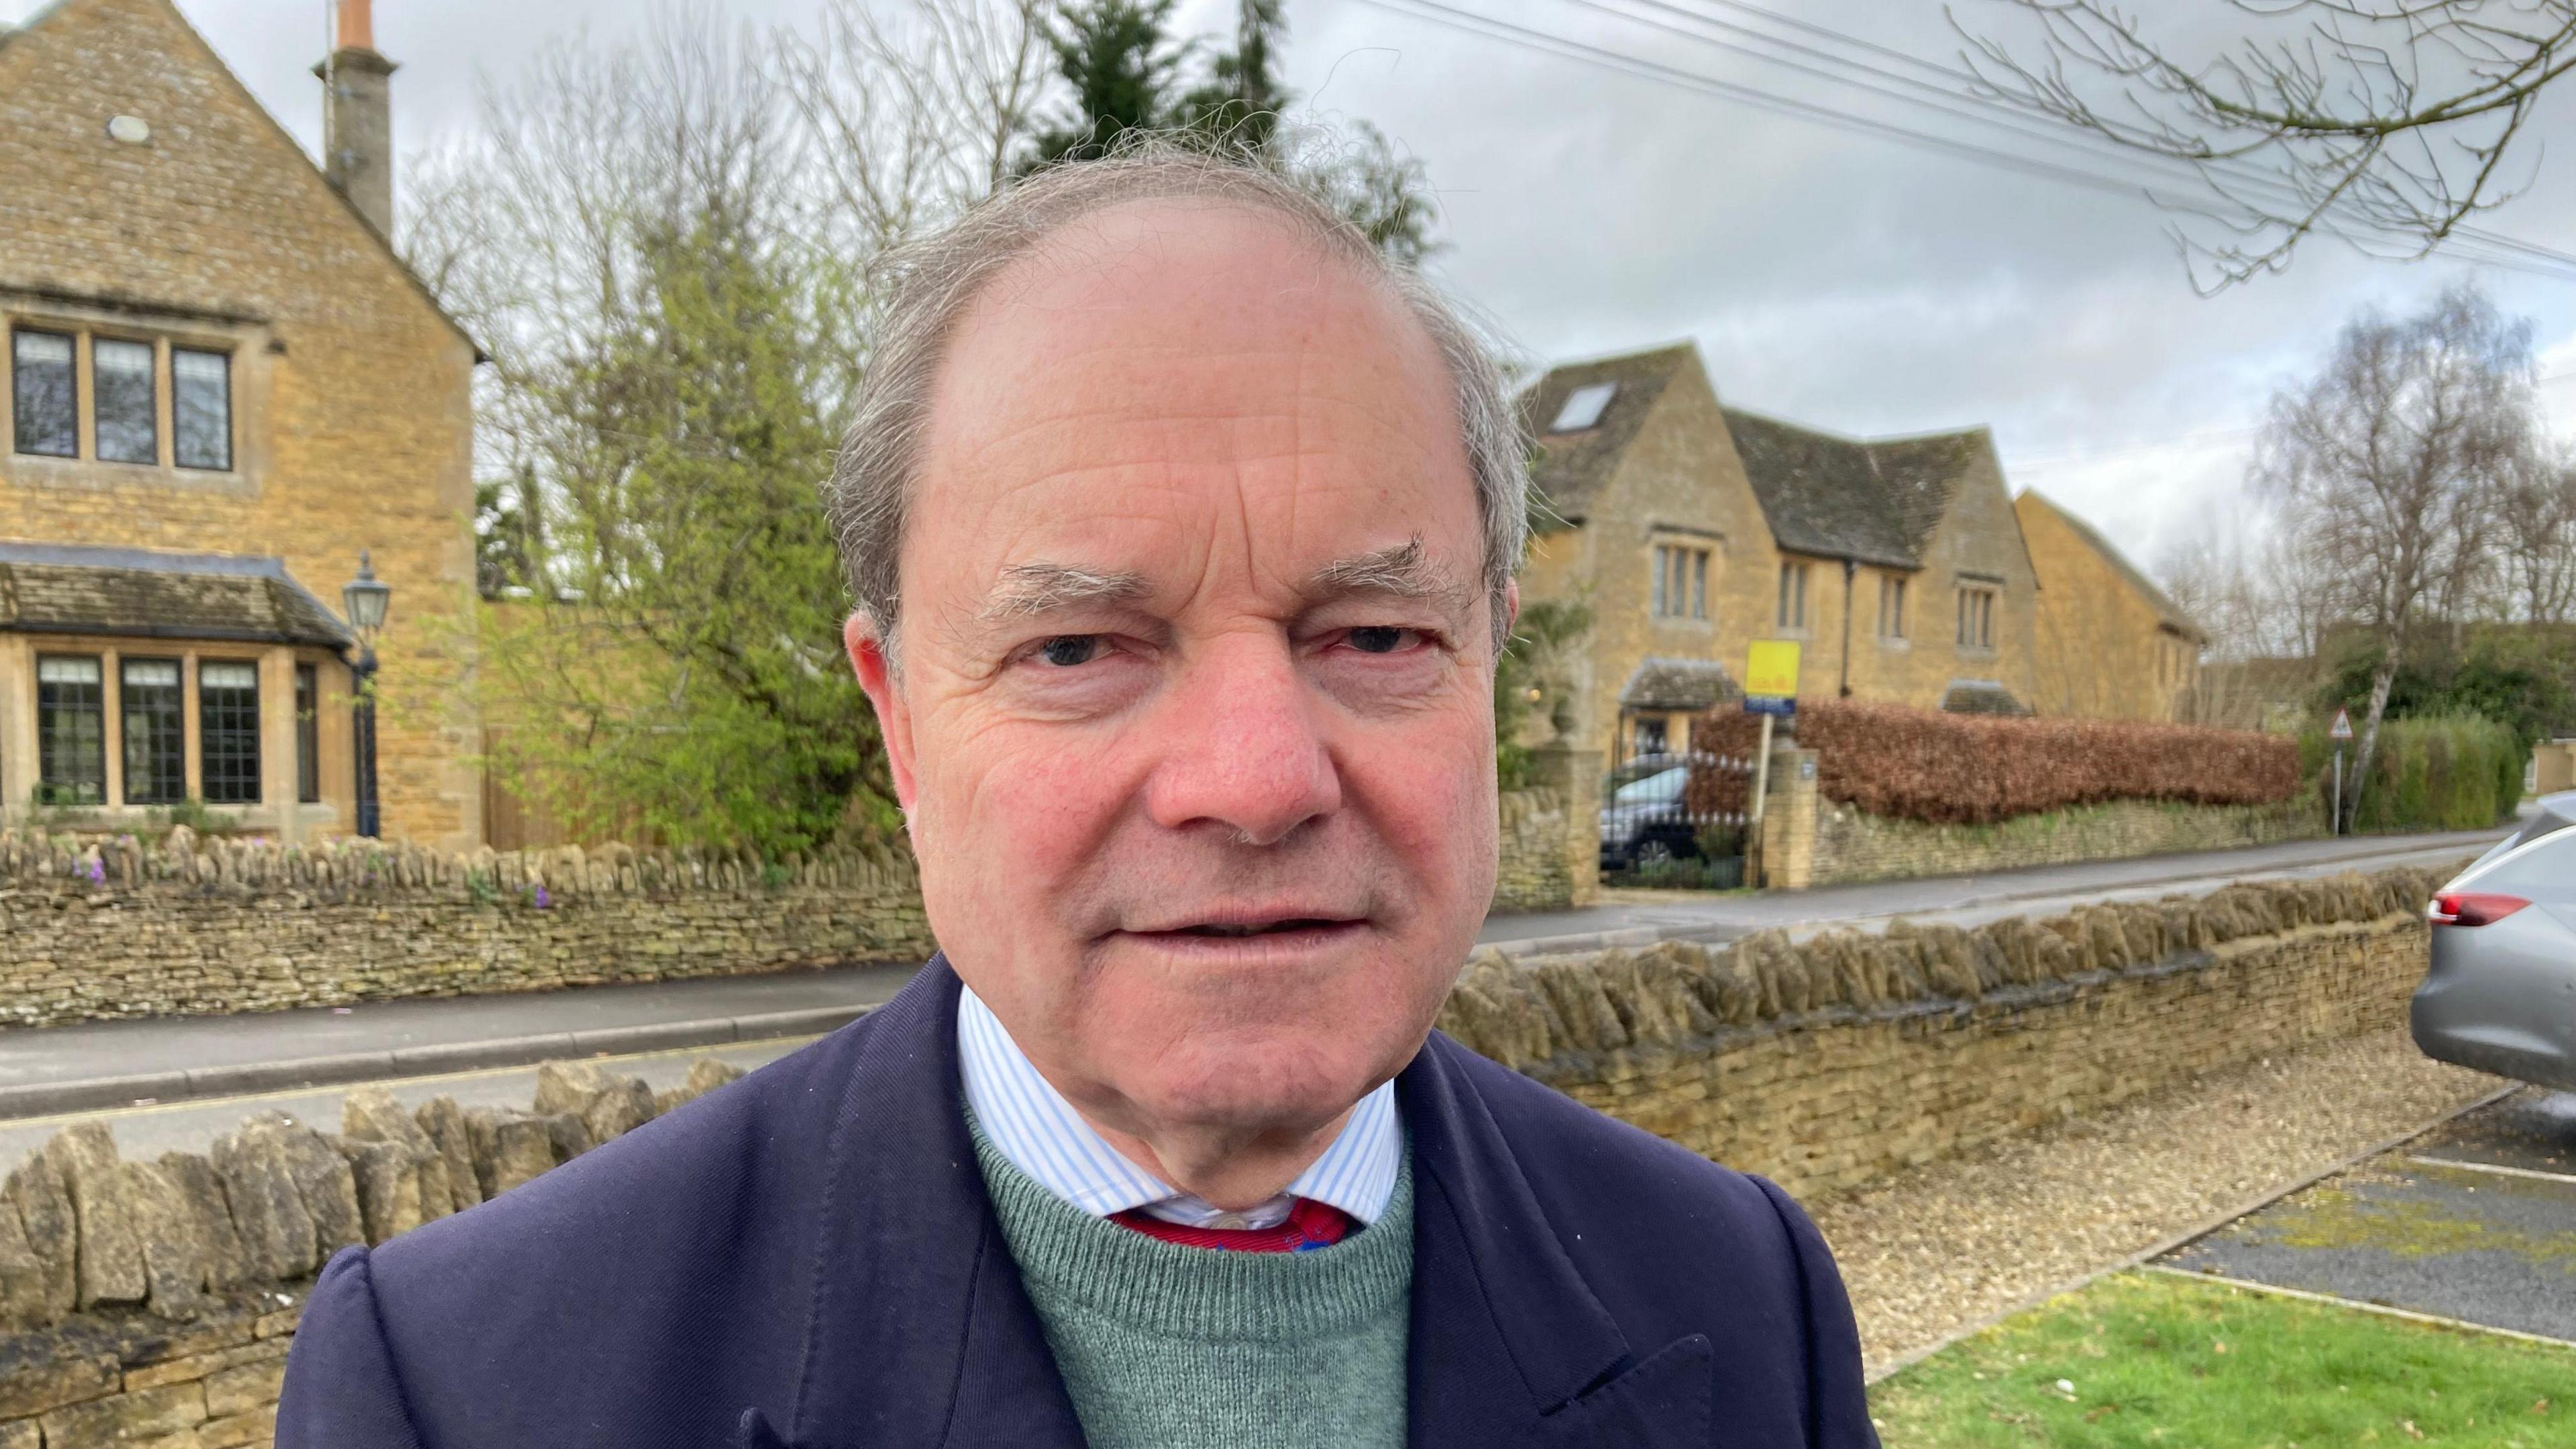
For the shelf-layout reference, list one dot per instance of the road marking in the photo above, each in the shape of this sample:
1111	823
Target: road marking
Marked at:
2434	1320
2532	1173
198	1104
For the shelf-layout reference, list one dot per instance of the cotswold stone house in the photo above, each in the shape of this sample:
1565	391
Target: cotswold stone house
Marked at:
222	385
2111	644
1693	528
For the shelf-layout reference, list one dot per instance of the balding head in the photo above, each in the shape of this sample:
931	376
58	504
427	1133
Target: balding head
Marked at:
928	285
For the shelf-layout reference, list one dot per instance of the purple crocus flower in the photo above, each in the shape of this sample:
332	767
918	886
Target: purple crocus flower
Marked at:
543	900
98	872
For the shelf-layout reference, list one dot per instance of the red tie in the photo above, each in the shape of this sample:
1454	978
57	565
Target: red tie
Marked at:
1309	1225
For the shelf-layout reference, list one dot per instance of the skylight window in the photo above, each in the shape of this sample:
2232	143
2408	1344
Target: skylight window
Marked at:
1583	407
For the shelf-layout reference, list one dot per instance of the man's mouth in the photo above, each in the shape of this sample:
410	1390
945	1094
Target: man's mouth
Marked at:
1300	923
1266	928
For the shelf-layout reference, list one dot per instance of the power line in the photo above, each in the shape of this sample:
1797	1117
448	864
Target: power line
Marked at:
1527	38
1524	37
1950	99
1967	81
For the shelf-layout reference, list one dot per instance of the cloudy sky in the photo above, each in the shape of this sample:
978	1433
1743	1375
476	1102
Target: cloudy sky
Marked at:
1840	279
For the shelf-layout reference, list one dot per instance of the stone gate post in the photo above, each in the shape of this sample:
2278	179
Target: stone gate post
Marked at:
1575	775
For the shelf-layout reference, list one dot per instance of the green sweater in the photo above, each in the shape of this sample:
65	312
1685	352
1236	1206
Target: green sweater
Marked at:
1164	1346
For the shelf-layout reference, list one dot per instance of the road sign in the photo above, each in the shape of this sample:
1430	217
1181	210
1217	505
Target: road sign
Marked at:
2342	728
1771	677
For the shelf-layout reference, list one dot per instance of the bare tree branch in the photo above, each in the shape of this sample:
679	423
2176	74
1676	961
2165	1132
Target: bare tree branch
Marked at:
2386	123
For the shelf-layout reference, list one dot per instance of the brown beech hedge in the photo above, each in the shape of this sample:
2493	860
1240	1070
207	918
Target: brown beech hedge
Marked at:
1958	769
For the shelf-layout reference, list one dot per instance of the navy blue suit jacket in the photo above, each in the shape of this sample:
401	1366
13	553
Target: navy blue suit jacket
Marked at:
807	1258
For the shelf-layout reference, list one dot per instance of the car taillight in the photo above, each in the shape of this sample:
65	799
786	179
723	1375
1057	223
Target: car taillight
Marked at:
2472	908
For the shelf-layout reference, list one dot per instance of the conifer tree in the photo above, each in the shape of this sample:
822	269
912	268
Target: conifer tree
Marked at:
1118	59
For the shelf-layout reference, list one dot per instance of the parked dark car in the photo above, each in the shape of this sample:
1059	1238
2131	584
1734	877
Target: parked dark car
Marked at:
2501	993
1642	817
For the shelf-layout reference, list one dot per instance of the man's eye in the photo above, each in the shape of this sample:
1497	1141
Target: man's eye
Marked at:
1380	639
1067	650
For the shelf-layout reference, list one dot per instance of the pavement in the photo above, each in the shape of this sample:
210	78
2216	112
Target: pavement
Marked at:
2472	1223
48	1072
1638	917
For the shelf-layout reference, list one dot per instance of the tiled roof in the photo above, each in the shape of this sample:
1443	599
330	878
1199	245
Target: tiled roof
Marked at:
1835	497
1821	494
1572	467
139	593
2167	611
1692	684
1922	475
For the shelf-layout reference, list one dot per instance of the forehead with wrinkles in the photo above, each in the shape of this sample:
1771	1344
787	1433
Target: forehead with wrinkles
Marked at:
1138	353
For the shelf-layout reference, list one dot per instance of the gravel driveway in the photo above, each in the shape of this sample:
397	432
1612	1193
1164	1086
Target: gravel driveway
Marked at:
1956	1242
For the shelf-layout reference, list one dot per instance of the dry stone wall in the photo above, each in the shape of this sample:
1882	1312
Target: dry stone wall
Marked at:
153	1302
1853	845
1830	1062
93	928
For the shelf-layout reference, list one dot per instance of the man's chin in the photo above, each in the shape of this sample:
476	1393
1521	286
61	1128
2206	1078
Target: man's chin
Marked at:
1253	1091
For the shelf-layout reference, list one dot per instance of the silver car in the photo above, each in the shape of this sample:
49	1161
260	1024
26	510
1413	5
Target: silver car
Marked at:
2501	995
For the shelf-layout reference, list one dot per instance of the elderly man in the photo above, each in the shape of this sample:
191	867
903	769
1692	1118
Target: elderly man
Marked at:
1182	530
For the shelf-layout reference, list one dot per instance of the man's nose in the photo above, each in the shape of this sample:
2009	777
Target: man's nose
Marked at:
1243	746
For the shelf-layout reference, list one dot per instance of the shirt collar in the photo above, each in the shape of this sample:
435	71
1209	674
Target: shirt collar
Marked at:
1041	1134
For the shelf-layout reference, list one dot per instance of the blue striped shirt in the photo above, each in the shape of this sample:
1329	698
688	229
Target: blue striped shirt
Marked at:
1042	1135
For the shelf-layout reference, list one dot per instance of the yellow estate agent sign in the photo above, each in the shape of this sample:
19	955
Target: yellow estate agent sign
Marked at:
1770	690
1771	669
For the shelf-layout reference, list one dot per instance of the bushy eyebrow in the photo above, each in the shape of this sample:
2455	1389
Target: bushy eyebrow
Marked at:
1042	588
1402	570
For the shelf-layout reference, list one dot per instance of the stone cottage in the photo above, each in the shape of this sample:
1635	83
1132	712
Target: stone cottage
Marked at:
1692	528
222	386
2111	644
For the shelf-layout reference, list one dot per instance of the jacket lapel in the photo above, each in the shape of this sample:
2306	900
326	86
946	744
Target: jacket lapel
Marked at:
920	1332
1509	1346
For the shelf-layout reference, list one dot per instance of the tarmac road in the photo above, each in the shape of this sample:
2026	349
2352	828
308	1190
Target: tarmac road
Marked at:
2474	1221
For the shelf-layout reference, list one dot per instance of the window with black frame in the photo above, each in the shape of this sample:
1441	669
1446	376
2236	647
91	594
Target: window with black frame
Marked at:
308	734
228	732
71	731
201	408
43	397
150	706
125	421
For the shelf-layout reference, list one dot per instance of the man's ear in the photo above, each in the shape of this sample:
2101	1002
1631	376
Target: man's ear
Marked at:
868	659
1511	615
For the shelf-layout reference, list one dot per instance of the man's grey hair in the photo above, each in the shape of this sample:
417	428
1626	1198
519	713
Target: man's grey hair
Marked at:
926	285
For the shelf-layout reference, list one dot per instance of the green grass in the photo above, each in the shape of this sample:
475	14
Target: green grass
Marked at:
2157	1360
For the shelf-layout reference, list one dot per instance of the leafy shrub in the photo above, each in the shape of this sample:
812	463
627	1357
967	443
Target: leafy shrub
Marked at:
2444	772
1949	769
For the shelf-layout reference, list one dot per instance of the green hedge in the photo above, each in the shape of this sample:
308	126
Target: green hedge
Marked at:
2454	772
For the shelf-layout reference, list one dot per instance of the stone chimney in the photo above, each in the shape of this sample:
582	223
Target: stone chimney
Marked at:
357	115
